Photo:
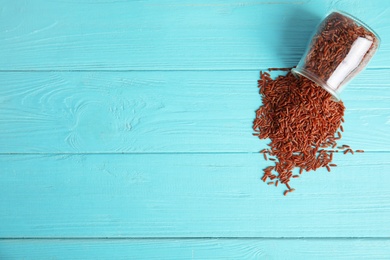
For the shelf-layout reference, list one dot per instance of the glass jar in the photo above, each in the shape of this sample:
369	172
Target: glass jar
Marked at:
340	48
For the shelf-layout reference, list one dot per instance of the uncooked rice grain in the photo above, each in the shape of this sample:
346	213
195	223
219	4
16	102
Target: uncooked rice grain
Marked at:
302	121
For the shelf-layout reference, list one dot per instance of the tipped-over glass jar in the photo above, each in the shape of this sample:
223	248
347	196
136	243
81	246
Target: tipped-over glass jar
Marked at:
340	48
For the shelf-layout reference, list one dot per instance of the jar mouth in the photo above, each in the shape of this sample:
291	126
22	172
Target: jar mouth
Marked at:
361	23
307	74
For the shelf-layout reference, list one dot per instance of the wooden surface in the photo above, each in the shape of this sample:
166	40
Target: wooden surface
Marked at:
125	133
195	249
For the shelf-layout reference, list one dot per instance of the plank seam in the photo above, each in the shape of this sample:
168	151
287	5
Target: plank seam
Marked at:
193	238
151	153
151	70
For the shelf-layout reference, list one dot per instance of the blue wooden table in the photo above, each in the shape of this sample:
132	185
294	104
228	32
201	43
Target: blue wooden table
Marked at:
125	133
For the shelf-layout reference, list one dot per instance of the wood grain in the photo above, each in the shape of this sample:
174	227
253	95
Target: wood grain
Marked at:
196	249
189	195
125	132
149	112
169	35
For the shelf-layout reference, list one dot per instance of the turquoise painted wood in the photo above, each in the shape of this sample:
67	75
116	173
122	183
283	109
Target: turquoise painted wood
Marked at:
171	34
138	112
189	195
125	133
195	249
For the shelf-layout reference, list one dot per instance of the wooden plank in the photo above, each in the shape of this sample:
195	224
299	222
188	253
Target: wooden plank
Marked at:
144	112
151	35
189	195
196	249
